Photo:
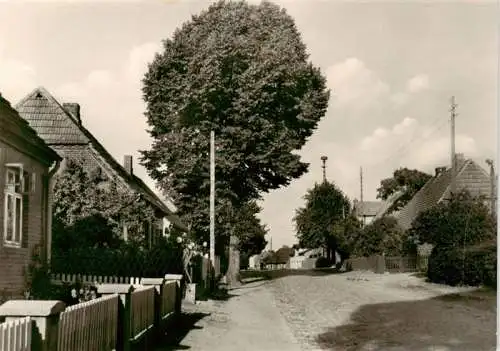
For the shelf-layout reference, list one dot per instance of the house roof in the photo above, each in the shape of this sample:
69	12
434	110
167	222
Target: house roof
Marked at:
57	126
386	204
367	208
17	133
52	122
469	176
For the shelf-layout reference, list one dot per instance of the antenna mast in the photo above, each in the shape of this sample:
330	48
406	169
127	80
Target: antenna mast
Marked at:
452	149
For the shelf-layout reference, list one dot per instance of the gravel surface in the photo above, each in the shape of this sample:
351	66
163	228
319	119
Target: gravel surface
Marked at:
366	311
344	312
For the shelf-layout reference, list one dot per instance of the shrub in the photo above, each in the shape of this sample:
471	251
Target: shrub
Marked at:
322	262
455	266
382	236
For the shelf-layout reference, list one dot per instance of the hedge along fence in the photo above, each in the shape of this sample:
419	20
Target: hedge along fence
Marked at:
123	319
123	262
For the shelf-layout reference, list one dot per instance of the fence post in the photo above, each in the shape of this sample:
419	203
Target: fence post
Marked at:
158	283
45	315
124	328
178	294
380	264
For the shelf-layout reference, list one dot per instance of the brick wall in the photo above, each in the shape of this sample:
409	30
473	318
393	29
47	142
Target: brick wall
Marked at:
13	261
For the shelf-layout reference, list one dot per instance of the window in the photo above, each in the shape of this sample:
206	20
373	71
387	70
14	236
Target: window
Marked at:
13	205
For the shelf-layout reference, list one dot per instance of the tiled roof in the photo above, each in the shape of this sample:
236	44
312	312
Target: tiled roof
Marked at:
17	132
57	126
386	204
469	176
367	208
51	121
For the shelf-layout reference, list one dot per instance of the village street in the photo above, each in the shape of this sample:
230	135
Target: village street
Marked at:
352	311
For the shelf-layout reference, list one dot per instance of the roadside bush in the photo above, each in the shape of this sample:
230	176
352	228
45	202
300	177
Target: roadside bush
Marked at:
323	262
473	266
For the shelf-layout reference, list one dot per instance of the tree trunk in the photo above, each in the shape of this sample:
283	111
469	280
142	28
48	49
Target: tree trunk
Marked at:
233	270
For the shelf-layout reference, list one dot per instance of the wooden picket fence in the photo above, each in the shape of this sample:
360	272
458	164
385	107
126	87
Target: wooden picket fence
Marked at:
15	335
393	264
90	325
60	278
126	317
142	312
168	299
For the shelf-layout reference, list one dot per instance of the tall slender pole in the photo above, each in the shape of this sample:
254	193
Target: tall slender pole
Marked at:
212	198
492	185
361	194
452	148
323	160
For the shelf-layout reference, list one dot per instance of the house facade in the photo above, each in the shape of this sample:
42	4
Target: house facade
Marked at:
367	210
27	165
469	175
61	127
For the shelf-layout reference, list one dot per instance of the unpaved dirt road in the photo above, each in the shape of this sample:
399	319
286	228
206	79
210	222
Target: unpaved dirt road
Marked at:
365	311
345	312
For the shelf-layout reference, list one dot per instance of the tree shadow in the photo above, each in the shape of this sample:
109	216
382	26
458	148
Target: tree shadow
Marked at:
178	331
448	322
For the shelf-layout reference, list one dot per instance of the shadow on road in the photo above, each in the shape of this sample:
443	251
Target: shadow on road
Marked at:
186	322
448	322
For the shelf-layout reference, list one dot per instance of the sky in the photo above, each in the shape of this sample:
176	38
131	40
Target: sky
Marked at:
392	68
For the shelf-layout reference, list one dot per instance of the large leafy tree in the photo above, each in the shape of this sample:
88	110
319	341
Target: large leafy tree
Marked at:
326	206
250	230
406	182
242	71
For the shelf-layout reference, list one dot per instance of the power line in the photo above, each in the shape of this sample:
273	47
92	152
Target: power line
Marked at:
403	149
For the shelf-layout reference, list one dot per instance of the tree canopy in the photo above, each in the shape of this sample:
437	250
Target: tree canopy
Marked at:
90	210
462	221
250	230
242	71
405	181
382	236
326	205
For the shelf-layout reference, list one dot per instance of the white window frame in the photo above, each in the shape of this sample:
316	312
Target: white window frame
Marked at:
15	192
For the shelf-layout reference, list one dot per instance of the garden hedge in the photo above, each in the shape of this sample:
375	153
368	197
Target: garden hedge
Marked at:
471	266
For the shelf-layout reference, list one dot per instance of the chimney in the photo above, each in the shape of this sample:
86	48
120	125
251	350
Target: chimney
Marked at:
440	170
127	163
460	159
74	109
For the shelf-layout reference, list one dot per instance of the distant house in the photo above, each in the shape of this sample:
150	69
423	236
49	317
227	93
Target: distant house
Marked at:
61	126
27	165
469	175
279	259
305	258
367	210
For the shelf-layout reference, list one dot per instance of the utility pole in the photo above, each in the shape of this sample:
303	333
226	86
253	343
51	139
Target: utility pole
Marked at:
323	160
361	194
452	149
212	198
492	186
